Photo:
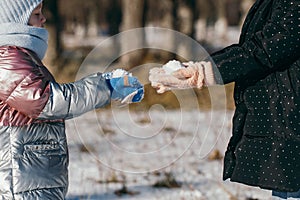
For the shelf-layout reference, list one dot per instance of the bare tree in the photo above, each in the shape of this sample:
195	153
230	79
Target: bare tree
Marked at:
185	24
132	18
211	12
160	15
113	16
53	25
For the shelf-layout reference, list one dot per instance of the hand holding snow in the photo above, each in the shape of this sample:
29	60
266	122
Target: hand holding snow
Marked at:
172	66
124	87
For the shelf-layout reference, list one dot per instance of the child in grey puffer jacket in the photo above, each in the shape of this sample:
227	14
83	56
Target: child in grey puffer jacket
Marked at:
33	106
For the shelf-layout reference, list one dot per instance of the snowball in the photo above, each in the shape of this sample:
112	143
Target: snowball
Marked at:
172	66
119	73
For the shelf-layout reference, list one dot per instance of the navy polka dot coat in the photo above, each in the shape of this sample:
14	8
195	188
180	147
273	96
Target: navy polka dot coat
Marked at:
264	149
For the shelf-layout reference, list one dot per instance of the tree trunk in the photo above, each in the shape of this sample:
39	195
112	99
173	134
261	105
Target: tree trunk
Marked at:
161	15
132	18
185	25
203	9
54	28
221	24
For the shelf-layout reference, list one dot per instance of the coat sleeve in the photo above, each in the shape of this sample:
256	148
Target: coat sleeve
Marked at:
275	46
73	99
32	91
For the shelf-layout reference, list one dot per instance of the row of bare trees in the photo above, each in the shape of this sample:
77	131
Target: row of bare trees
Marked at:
94	17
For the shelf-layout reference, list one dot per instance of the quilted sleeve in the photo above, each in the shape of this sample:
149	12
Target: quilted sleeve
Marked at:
73	99
275	46
31	90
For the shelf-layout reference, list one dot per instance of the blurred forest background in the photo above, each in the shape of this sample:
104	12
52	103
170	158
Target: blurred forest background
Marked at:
77	26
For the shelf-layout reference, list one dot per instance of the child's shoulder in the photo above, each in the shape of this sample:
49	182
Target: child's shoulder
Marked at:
18	55
16	60
13	52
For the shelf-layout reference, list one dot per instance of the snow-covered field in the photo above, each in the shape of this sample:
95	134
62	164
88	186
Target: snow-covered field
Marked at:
159	154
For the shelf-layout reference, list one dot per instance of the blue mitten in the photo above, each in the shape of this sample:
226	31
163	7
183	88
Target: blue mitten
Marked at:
125	88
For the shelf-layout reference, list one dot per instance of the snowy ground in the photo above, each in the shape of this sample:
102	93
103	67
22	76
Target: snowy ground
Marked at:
114	149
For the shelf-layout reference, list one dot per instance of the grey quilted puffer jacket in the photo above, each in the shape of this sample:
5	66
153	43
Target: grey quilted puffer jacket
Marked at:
33	107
